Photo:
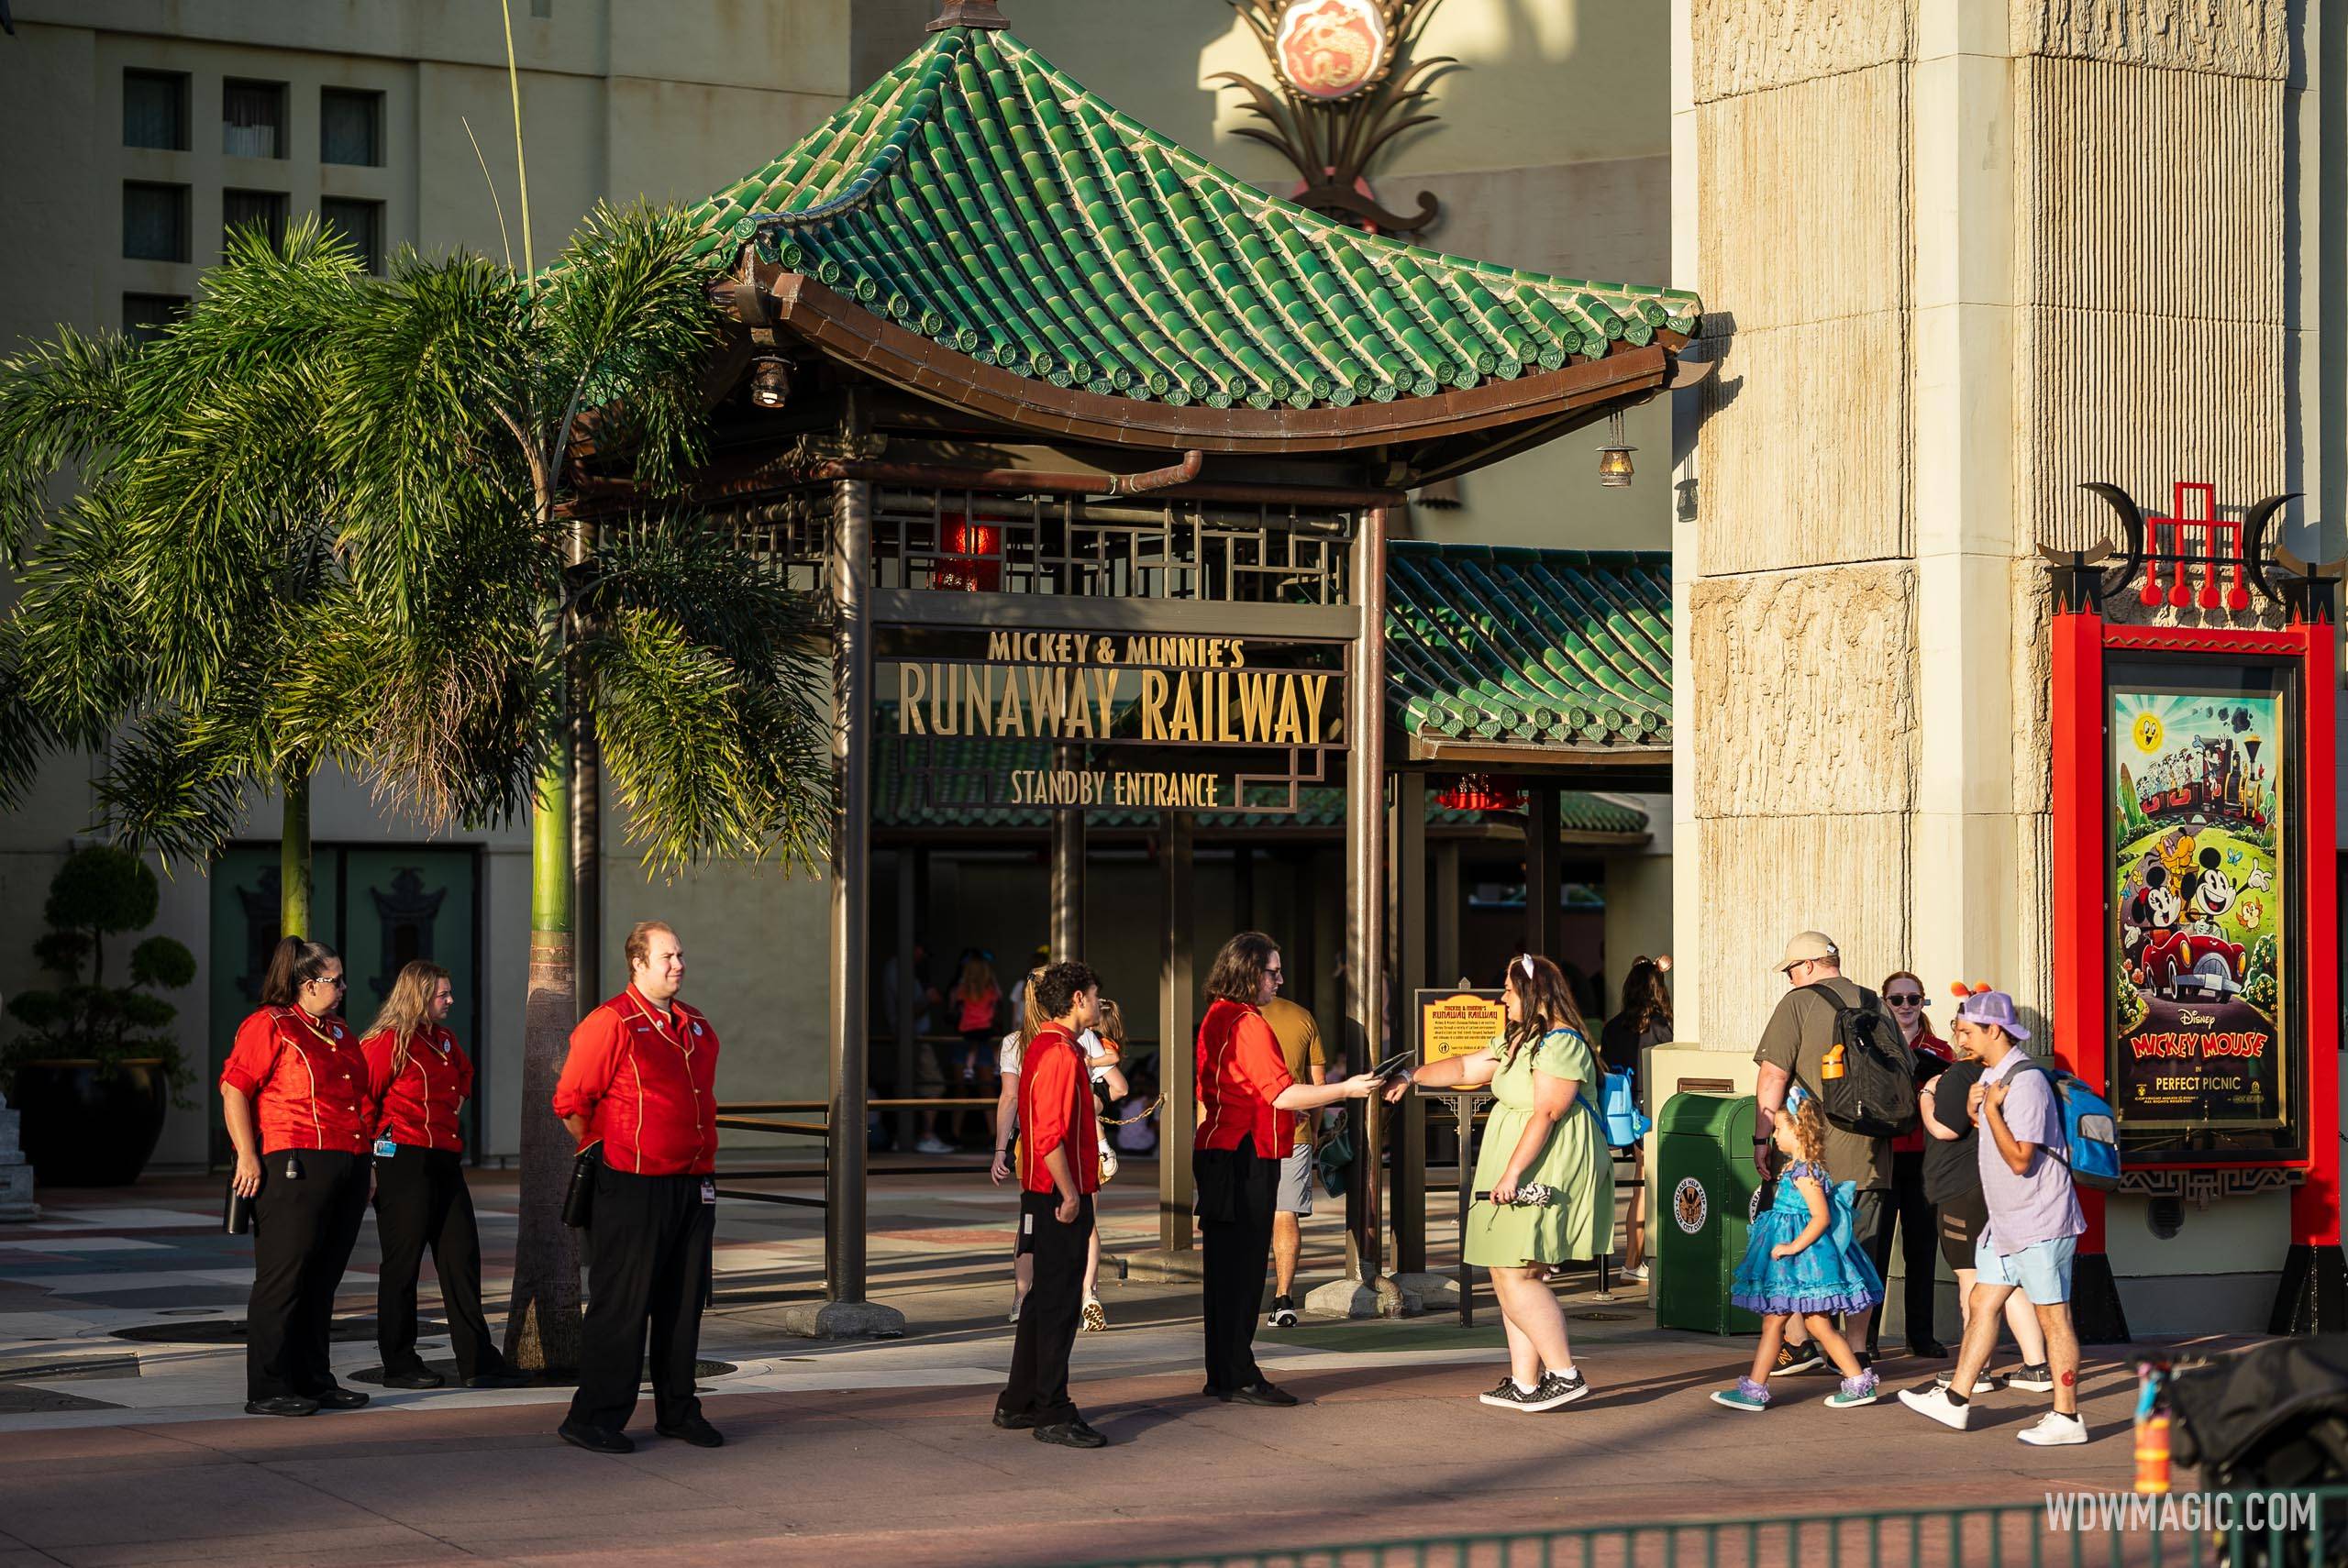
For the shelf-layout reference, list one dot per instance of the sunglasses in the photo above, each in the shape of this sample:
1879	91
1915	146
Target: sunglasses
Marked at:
1905	998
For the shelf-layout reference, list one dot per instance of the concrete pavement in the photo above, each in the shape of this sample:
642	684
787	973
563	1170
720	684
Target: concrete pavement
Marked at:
116	1451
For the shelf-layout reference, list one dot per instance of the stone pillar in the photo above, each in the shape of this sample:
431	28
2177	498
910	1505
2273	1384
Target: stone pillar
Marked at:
16	1176
1961	256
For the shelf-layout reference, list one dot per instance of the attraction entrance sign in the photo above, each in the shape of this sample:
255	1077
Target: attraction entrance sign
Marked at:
2196	915
1124	721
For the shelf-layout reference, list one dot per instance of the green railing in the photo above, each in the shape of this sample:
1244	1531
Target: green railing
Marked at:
2281	1529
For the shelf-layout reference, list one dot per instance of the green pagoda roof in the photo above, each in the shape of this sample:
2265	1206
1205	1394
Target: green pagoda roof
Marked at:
981	200
1493	646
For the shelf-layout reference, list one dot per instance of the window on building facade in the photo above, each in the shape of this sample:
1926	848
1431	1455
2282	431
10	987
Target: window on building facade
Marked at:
154	110
144	316
350	128
264	210
252	120
154	222
360	224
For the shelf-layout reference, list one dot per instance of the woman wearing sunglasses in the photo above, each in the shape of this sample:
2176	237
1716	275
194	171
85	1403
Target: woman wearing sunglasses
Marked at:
295	1094
1911	1209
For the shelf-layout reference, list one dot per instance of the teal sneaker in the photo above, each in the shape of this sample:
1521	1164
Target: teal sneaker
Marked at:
1855	1391
1747	1396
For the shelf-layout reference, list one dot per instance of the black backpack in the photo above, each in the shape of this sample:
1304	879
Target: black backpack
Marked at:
1875	1093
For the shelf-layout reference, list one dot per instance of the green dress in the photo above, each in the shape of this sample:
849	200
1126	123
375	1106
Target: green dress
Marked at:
1579	1223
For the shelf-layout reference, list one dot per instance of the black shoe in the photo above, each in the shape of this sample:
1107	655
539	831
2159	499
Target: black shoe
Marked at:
695	1431
594	1439
1558	1388
1262	1393
498	1380
1010	1423
2032	1379
416	1377
1803	1357
1283	1313
284	1405
1211	1392
1071	1434
1927	1350
336	1397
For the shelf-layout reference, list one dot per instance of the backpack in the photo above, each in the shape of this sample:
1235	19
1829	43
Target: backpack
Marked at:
1868	1075
2089	1131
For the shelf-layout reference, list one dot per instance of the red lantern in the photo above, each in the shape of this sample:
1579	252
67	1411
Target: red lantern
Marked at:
969	555
1480	792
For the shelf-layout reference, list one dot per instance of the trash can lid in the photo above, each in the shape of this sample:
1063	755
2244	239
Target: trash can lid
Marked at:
1716	1116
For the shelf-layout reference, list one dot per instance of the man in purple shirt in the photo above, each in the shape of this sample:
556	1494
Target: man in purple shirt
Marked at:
2035	1222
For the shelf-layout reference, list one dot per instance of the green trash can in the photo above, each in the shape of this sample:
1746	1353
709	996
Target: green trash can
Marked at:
1702	1205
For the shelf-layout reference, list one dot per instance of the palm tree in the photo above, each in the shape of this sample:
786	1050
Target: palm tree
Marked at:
648	637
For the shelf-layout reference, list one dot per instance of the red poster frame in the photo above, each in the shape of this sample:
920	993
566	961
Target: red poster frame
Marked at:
2312	1293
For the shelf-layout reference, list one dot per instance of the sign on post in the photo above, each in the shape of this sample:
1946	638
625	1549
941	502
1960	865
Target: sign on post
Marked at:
1448	1023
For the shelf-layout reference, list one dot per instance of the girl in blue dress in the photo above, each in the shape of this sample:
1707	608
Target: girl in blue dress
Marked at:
1802	1260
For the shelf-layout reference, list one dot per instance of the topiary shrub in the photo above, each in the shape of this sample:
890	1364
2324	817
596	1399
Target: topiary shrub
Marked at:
101	892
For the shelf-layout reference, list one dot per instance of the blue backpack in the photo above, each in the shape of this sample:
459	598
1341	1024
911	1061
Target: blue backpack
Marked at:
2089	1128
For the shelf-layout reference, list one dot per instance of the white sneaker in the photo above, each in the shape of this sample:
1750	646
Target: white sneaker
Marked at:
1638	1272
2055	1429
1982	1383
1934	1402
932	1144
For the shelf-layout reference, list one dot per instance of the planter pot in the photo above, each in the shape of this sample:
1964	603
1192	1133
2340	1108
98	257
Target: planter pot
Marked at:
83	1128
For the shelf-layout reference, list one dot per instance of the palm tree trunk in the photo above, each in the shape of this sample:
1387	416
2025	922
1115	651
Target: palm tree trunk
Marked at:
294	855
542	1325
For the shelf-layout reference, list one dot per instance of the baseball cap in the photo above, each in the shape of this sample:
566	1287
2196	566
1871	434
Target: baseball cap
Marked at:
1992	1007
1807	945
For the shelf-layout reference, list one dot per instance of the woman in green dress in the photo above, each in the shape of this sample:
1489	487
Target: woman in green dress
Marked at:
1544	1132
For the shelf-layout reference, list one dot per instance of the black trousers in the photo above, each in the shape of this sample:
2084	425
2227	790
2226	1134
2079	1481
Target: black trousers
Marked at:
303	1230
649	1264
421	1201
1919	1245
1038	1385
1236	1196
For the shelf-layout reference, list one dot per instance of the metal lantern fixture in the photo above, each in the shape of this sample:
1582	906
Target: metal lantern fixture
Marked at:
1481	792
1615	457
770	383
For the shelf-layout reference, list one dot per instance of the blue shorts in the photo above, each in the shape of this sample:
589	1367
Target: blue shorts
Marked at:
2041	1270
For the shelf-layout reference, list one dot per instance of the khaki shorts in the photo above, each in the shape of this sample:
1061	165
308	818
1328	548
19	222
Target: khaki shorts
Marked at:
1295	1194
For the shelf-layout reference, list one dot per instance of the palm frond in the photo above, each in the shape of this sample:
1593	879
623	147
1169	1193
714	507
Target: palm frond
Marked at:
679	566
63	401
82	652
628	327
167	793
25	734
706	761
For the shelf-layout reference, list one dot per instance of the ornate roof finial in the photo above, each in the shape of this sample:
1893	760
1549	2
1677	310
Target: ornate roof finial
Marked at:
968	14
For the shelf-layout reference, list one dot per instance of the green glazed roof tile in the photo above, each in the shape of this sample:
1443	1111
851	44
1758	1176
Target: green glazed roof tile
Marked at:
980	197
1544	647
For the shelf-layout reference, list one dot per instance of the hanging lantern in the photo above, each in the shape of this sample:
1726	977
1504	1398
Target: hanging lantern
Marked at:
770	383
1480	792
1615	457
969	555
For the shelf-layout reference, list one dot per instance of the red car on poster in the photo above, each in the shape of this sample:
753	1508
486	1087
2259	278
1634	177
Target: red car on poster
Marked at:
2175	963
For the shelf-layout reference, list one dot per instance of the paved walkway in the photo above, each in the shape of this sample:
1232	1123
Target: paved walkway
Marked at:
116	1451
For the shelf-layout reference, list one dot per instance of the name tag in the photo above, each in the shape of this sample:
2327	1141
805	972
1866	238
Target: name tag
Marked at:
708	1191
385	1149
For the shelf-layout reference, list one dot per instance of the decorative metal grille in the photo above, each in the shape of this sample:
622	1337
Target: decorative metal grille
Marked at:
966	541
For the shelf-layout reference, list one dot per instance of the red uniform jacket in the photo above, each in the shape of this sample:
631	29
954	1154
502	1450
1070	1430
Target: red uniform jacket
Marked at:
306	1079
1056	1109
647	1085
419	1104
1240	1072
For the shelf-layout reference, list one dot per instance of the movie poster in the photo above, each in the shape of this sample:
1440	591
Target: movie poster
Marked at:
2198	908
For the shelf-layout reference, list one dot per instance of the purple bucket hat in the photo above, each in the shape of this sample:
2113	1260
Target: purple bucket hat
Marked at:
1992	1007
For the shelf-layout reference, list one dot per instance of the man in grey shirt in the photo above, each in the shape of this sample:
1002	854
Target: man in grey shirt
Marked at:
1792	1046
